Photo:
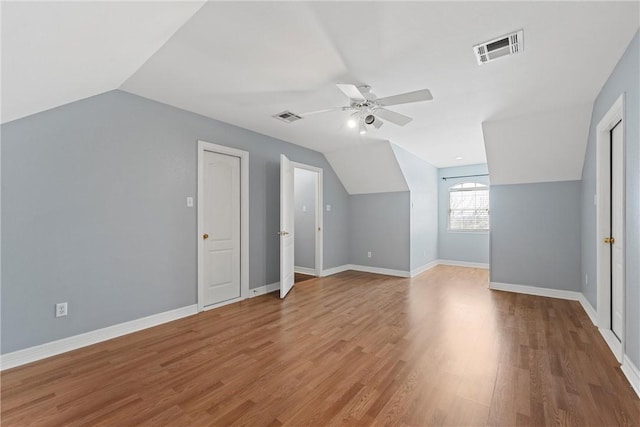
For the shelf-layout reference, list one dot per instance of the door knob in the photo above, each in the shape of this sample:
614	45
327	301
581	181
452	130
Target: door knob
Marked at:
612	240
607	240
205	236
283	233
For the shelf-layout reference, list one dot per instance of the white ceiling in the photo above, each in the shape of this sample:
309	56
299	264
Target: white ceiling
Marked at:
242	62
538	147
54	53
368	168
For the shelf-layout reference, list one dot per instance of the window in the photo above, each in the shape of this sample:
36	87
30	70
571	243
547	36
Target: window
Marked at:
469	207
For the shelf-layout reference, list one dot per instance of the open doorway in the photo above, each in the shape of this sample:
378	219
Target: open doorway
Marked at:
307	210
287	231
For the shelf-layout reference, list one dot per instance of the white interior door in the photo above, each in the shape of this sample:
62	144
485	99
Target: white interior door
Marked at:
617	230
286	226
221	228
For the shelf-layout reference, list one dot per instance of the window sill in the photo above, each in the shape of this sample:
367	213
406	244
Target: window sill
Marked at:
468	231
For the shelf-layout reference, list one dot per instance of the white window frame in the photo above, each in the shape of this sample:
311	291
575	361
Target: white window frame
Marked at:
453	189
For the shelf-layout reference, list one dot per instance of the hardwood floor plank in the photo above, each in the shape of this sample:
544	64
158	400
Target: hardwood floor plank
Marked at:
350	349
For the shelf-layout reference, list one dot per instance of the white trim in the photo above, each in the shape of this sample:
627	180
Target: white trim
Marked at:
425	267
379	270
628	368
613	342
272	287
334	270
319	212
588	308
603	294
469	231
42	351
534	290
221	304
632	373
305	270
244	217
463	263
399	273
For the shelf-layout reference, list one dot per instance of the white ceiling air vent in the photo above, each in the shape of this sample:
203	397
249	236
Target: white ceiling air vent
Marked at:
497	48
287	116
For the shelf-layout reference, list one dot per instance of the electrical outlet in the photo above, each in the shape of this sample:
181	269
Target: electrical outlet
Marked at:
368	254
61	309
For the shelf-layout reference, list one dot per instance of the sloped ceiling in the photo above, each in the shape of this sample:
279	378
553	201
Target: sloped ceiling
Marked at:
242	62
538	147
370	168
54	53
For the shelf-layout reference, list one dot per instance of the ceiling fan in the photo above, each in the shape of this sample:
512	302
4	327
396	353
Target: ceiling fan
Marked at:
369	109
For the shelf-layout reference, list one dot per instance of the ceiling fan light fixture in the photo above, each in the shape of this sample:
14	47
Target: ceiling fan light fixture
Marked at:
369	119
368	109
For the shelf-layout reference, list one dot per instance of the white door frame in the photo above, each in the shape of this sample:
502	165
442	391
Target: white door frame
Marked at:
319	230
244	220
608	122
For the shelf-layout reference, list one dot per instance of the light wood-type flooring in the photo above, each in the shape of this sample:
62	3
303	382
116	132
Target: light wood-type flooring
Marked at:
300	277
349	349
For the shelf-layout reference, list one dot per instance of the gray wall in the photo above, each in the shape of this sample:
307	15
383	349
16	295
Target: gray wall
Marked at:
379	223
623	79
535	234
304	183
422	179
94	213
469	246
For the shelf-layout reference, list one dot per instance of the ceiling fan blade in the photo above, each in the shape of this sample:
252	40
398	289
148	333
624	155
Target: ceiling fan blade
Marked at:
352	92
377	123
392	116
326	110
405	98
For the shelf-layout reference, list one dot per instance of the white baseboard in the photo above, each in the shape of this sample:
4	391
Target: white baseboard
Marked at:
424	268
588	308
628	368
305	270
222	304
272	287
42	351
399	273
335	270
615	345
463	263
632	373
53	348
533	290
379	270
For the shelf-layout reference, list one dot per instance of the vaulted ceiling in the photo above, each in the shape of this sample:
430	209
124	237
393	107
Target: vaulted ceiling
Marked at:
242	62
54	53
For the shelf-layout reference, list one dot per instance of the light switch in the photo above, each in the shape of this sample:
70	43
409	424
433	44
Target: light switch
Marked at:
328	208
189	202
